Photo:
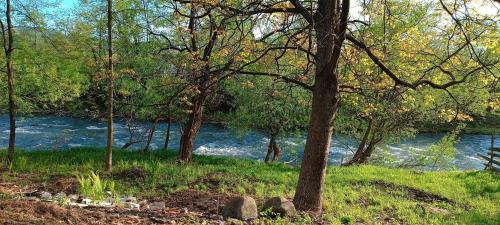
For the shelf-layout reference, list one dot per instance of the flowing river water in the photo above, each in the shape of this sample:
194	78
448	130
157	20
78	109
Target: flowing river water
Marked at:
53	132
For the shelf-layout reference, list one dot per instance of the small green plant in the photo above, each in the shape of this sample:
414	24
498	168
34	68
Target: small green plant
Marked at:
93	187
268	213
345	219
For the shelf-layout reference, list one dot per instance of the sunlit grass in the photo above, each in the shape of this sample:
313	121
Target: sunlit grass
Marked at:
350	195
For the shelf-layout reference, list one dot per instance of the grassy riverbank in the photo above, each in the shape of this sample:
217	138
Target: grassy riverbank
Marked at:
365	194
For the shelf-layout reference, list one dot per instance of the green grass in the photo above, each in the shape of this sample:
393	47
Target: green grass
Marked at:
350	194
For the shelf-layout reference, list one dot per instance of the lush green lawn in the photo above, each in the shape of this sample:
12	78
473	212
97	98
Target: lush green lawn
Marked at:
366	194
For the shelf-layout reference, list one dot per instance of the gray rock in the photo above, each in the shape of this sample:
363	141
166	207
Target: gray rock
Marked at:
74	204
86	201
128	199
280	206
131	205
242	208
73	197
45	196
157	206
105	204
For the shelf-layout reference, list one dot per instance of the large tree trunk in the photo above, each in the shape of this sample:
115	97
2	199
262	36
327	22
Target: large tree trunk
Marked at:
8	46
109	155
330	34
167	135
191	128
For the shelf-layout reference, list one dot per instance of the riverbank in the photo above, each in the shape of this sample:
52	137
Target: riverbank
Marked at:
365	194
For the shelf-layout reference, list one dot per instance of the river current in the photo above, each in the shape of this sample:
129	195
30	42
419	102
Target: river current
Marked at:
53	132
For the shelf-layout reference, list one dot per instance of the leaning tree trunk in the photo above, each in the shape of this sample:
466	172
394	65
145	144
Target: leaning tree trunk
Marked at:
330	34
277	152
191	128
109	155
150	136
167	135
8	46
361	148
367	153
270	148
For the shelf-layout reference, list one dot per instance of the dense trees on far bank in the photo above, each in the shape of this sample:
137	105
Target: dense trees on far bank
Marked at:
276	67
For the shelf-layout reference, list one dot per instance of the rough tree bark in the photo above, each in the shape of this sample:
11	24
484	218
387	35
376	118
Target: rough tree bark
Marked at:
190	129
330	34
109	155
8	46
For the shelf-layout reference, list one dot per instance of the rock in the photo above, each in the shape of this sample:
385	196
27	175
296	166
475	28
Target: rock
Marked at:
242	208
131	205
105	204
86	201
157	206
128	199
45	196
280	206
80	205
73	197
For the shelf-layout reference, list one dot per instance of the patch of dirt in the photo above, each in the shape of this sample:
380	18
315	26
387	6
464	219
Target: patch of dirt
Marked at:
135	174
197	201
27	212
413	193
59	183
26	183
212	180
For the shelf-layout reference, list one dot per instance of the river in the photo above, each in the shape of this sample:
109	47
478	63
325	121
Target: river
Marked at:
53	132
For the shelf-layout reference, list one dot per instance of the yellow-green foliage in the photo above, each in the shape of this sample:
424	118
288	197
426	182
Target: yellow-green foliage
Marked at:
93	187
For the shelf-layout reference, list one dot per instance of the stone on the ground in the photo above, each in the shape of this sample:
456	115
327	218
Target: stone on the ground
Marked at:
105	204
128	199
86	201
73	197
74	204
157	206
45	196
131	205
242	208
280	206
